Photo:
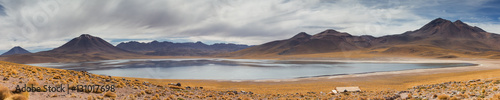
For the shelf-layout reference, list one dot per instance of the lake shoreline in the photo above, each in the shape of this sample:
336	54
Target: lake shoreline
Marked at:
379	81
302	68
391	80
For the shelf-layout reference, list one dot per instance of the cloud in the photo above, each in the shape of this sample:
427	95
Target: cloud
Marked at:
2	11
37	24
488	27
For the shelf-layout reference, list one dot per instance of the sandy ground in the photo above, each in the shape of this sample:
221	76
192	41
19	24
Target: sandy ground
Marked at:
378	81
483	64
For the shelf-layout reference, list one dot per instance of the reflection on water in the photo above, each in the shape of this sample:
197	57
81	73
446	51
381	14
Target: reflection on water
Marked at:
234	69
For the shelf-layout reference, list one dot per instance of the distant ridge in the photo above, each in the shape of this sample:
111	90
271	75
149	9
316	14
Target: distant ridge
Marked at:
86	43
440	37
166	48
446	29
16	50
83	48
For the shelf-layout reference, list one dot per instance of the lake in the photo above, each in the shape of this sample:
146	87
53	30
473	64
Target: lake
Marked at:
235	69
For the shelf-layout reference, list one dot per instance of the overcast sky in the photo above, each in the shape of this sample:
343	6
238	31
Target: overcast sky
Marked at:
45	24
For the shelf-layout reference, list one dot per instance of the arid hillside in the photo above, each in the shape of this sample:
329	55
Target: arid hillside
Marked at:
166	48
16	50
82	48
439	38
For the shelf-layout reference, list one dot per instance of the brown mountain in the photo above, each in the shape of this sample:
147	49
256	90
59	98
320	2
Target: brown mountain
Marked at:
166	48
445	34
439	37
82	48
303	43
16	50
87	44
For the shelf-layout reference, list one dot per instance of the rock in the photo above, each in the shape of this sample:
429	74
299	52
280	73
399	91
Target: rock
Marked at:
404	96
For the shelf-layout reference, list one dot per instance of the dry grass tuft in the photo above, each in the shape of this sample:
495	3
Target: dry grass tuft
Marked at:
496	97
454	98
25	94
120	85
171	97
72	95
443	97
100	97
4	92
110	94
16	97
13	72
149	91
57	77
32	82
175	87
90	97
54	95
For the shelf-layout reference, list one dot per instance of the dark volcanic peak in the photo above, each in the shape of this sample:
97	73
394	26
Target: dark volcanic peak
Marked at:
459	22
87	43
86	36
444	24
439	22
446	29
16	50
464	26
331	32
301	35
153	41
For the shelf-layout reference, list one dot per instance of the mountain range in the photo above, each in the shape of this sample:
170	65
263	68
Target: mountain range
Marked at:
16	50
82	48
90	48
438	38
166	48
86	43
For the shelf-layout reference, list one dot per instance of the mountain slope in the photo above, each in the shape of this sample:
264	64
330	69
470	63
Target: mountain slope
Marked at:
82	48
441	37
179	49
447	35
87	44
16	50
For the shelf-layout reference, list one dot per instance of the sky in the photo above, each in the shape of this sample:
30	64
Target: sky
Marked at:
38	25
